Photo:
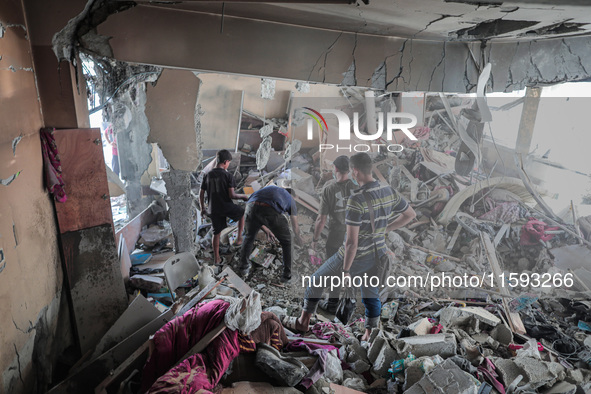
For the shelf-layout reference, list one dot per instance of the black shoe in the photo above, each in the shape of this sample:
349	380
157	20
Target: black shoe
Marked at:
244	273
327	306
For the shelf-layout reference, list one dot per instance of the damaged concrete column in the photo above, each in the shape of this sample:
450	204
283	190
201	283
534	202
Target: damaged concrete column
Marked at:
175	125
178	187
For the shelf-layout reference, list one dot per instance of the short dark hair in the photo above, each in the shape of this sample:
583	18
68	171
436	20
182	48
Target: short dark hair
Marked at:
342	164
361	162
223	156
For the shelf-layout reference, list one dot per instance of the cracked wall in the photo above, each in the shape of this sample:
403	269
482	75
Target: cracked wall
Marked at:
317	55
30	272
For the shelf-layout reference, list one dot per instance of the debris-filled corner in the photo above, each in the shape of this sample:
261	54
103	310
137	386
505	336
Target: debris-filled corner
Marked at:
489	288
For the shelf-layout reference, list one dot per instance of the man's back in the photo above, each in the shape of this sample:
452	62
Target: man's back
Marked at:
217	183
276	197
386	203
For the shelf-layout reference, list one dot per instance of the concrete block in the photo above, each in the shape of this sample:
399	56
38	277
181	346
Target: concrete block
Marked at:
383	360
508	370
359	366
502	334
575	376
541	373
562	388
412	374
375	348
428	345
445	378
421	327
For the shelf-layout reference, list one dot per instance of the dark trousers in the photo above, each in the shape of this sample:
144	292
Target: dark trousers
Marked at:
257	216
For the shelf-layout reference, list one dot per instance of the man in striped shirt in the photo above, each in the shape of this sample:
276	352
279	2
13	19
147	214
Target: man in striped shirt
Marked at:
357	256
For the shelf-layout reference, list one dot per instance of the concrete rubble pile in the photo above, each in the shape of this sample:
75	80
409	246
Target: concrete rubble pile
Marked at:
492	332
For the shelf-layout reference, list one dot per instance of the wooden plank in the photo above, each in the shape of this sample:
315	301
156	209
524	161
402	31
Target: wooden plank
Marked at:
454	238
116	374
514	319
501	234
85	179
91	373
202	294
316	341
139	313
379	175
308	199
305	204
94	282
238	283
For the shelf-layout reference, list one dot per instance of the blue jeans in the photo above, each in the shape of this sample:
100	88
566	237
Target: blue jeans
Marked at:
334	267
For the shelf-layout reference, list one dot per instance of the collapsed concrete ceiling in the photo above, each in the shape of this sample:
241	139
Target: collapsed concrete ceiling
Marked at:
441	20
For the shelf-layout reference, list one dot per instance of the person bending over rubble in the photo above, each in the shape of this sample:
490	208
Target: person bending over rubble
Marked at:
219	185
363	247
333	201
267	207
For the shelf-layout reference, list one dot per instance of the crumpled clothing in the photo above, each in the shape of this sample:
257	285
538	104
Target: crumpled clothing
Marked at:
506	212
52	165
319	367
534	231
489	371
327	330
176	338
270	331
248	320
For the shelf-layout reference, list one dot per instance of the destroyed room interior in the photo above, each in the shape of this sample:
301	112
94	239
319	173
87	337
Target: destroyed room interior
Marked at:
295	196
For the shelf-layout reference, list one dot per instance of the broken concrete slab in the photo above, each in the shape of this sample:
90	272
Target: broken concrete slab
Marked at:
384	358
445	378
427	345
540	373
502	334
461	316
562	388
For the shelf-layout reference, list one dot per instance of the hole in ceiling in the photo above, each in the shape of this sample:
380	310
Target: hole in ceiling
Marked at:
493	28
561	28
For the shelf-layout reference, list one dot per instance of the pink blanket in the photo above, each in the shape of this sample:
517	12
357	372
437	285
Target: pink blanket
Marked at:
177	337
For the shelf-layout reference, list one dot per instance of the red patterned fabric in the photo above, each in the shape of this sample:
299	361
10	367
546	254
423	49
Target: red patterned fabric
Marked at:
52	165
176	338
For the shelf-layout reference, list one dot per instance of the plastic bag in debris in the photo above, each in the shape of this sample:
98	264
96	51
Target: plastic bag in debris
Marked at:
529	349
153	235
248	320
332	368
346	306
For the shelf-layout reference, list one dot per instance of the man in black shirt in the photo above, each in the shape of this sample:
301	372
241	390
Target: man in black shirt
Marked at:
219	185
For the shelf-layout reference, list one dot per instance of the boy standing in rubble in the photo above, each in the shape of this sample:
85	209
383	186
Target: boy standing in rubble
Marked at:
267	207
364	246
219	185
333	202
